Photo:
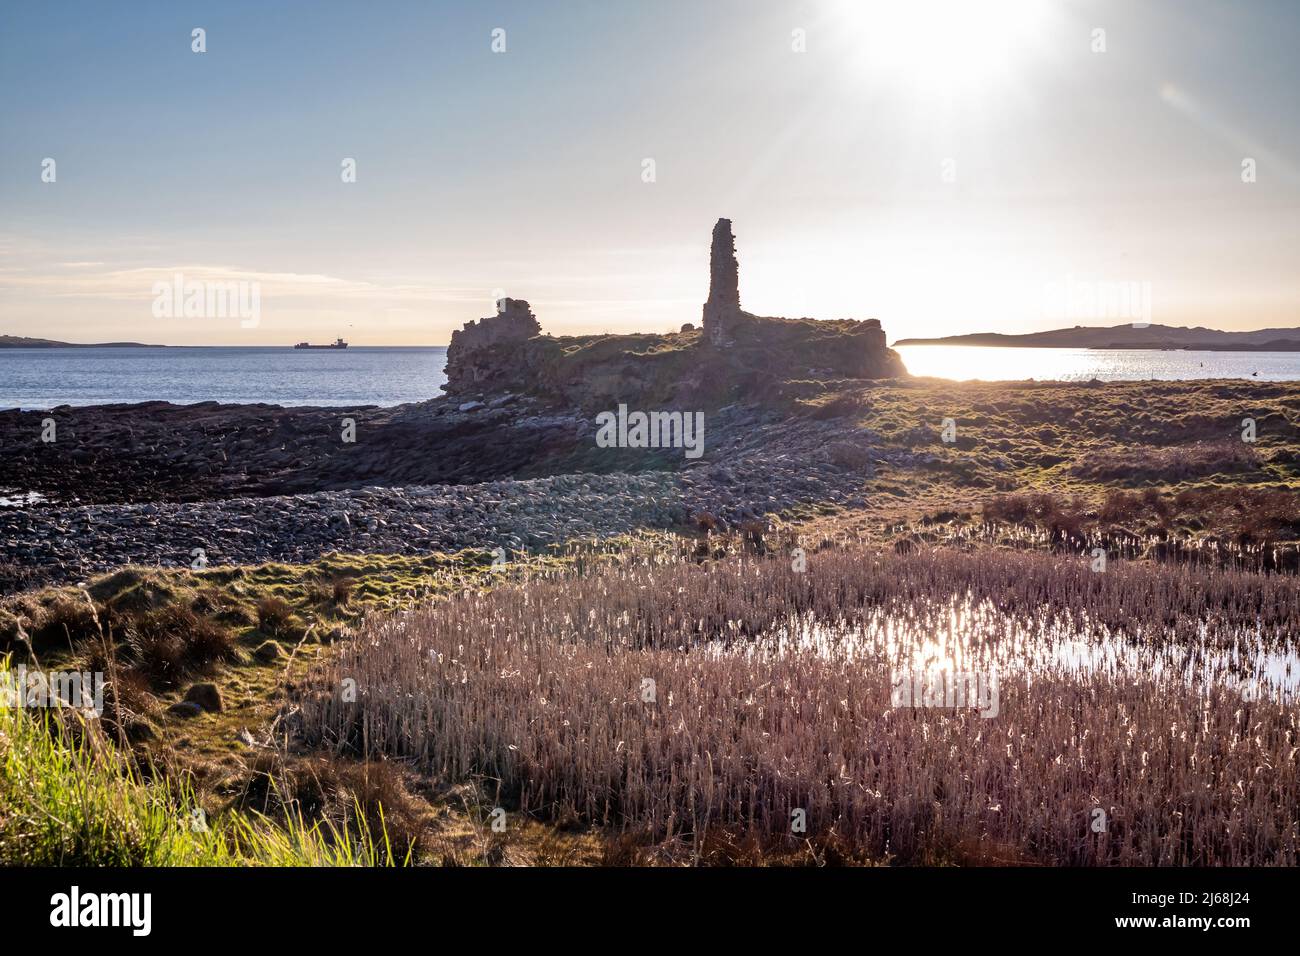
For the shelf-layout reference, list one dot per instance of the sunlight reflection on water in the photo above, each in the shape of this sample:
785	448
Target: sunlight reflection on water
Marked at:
982	639
991	364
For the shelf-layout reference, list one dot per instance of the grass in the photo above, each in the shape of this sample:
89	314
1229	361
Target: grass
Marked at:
176	622
99	799
531	698
68	797
1067	437
1155	469
767	701
151	631
1174	464
1231	515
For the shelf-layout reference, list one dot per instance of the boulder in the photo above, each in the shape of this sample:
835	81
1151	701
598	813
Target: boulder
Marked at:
207	696
186	709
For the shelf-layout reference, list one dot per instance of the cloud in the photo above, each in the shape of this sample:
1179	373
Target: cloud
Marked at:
137	284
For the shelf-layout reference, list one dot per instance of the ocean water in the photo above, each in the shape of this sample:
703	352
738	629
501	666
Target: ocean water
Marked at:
45	378
991	364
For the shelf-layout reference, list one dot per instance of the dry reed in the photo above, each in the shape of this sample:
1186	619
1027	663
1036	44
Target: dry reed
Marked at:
772	692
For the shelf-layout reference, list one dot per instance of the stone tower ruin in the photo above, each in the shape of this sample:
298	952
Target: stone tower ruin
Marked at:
722	308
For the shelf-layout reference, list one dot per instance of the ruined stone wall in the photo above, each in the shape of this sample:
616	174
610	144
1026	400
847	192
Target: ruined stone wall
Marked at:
507	353
472	356
875	335
862	350
514	322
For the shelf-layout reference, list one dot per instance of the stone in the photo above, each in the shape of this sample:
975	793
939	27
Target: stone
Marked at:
140	731
186	709
207	696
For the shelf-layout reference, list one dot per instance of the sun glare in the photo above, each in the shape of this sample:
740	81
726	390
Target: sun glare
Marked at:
947	46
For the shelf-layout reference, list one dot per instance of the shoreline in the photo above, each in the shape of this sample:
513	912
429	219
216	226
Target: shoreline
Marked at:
149	483
1293	347
154	403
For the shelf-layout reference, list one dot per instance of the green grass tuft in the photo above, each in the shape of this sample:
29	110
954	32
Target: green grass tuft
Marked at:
68	797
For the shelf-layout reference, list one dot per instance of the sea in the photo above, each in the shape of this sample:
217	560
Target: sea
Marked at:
47	378
995	363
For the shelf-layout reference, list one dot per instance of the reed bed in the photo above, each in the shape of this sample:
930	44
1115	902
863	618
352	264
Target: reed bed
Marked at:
1255	529
772	694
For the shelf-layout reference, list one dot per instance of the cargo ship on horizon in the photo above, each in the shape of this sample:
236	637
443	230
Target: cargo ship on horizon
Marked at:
338	344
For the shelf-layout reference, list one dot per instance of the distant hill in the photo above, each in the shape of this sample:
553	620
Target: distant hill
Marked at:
1132	337
23	342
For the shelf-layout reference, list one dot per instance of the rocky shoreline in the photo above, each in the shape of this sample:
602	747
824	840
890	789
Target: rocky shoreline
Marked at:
756	463
157	451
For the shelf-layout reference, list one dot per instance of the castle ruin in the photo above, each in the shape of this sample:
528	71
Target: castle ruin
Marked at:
513	323
722	308
507	351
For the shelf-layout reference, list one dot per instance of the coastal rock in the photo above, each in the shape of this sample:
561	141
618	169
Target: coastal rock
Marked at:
756	462
469	360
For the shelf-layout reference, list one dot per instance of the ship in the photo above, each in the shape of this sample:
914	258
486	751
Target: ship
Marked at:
338	344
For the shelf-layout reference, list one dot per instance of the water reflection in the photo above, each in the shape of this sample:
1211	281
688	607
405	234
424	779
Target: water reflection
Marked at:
970	638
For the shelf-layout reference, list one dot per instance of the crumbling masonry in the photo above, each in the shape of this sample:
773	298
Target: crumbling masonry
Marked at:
507	351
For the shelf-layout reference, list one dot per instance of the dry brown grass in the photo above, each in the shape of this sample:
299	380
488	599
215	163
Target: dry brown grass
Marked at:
341	590
64	622
1062	516
1246	527
540	687
173	642
1169	464
275	617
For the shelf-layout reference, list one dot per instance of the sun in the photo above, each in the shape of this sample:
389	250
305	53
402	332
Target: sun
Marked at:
948	46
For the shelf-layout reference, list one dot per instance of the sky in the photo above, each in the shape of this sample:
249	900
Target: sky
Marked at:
943	166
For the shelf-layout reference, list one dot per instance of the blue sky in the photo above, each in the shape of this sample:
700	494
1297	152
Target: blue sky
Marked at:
929	169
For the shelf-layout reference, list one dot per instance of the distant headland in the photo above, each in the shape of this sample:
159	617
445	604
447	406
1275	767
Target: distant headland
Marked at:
1132	337
23	342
